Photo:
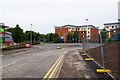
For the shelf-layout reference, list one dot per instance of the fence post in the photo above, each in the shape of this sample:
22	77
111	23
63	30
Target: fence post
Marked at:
102	54
83	44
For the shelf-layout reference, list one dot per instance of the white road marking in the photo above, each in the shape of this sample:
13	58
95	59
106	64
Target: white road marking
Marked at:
23	52
8	65
15	62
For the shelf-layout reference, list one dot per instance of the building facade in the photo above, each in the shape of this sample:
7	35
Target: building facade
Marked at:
5	37
111	27
85	31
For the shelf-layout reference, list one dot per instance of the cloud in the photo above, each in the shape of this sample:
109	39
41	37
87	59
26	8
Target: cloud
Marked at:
44	14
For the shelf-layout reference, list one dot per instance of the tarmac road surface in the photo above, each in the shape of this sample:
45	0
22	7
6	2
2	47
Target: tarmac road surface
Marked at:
34	64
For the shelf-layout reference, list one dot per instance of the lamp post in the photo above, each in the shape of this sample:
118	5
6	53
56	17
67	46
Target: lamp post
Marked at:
31	35
96	36
34	37
87	35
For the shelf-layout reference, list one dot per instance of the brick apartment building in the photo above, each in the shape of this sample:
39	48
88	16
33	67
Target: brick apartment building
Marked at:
85	31
112	27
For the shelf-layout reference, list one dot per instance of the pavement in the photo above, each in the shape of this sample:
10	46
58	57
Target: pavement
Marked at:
75	66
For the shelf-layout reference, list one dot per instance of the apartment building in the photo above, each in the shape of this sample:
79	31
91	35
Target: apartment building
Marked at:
85	31
112	27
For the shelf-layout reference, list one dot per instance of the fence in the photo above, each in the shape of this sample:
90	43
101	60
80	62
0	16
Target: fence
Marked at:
105	49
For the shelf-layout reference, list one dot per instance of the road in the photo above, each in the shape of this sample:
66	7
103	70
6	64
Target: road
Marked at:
34	64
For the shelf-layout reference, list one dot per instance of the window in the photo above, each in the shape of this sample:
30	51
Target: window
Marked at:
115	26
114	31
88	32
112	26
78	28
8	37
88	36
84	28
88	28
107	26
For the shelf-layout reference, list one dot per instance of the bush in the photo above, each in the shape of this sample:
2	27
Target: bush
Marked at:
109	40
57	40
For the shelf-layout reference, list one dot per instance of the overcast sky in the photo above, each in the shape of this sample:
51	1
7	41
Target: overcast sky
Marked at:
45	14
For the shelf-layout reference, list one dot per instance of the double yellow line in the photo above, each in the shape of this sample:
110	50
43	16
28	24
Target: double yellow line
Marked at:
52	70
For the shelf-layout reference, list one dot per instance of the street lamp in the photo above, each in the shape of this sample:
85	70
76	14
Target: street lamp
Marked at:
34	37
87	35
31	34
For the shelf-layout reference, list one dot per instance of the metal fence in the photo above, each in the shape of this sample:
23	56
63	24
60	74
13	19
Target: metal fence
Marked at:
105	50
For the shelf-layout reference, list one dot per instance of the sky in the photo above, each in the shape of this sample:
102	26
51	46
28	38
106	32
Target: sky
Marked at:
45	14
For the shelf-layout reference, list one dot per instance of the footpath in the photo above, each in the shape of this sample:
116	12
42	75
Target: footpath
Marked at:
79	66
75	66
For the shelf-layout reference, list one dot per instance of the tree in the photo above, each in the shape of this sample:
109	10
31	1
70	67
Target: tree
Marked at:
18	34
104	35
27	36
73	37
76	36
36	37
69	37
56	38
50	37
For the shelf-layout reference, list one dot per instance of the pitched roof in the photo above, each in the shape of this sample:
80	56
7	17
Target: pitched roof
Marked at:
111	23
74	26
3	25
69	25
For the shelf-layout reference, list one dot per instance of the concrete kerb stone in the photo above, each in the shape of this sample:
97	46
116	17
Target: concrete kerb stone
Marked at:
22	51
